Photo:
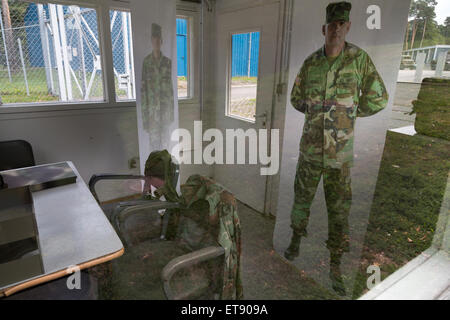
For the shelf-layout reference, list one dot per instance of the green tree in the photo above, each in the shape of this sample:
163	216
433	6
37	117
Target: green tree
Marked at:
18	10
13	13
445	30
423	29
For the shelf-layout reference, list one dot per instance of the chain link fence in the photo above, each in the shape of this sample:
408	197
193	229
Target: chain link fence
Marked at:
122	48
51	52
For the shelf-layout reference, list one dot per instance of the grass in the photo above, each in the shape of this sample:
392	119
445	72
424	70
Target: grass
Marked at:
432	108
244	80
245	108
407	201
15	91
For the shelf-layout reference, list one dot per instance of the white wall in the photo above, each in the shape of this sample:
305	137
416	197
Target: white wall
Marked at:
95	140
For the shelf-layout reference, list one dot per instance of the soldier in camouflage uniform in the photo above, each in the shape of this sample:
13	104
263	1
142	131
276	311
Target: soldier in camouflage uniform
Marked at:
336	84
157	93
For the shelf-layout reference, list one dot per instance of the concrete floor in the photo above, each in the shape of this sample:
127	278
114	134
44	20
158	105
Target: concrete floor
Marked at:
405	94
265	274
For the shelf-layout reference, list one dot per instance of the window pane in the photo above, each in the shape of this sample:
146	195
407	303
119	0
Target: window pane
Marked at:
182	58
122	49
34	67
244	75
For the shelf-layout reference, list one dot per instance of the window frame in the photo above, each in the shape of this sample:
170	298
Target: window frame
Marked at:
189	58
110	102
192	15
102	10
116	97
229	72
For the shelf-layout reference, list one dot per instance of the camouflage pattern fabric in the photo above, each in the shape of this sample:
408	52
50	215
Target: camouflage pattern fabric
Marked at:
331	97
338	11
222	212
159	163
338	195
157	99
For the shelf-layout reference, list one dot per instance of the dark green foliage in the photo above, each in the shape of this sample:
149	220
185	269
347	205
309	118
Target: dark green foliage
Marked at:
433	108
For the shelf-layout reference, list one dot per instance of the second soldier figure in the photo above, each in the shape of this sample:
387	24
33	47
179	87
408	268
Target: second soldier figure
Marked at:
157	93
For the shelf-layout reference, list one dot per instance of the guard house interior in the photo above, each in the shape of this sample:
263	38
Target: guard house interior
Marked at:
234	72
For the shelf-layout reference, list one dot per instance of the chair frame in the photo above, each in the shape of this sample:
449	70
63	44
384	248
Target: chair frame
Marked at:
126	209
177	264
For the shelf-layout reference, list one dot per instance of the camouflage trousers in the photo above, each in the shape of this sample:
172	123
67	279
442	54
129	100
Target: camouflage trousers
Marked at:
338	196
159	131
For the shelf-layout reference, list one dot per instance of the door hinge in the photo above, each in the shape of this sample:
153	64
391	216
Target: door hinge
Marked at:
280	88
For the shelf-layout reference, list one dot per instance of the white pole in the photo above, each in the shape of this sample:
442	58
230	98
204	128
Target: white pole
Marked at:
126	53
19	42
44	44
132	80
4	44
91	81
48	29
249	54
77	14
62	33
58	58
113	19
440	64
420	61
88	28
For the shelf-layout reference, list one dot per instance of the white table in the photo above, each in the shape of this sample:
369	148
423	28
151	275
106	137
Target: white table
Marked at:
72	231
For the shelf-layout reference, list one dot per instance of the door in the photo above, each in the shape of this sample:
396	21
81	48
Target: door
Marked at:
247	41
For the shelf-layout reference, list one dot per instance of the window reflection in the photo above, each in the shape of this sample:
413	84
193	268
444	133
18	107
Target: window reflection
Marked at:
390	211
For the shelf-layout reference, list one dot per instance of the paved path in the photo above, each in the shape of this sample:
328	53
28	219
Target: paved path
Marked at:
240	92
408	75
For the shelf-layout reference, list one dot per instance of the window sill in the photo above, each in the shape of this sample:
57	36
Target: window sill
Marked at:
184	101
63	106
240	118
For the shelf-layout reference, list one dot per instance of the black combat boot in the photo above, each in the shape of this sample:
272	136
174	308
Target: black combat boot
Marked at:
293	250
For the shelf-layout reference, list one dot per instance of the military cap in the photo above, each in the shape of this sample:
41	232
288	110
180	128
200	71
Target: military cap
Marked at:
156	30
338	11
154	166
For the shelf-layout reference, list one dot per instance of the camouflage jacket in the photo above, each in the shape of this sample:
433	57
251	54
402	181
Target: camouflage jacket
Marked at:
331	97
156	90
222	213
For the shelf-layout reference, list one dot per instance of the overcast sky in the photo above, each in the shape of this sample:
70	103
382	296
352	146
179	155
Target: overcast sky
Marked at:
442	10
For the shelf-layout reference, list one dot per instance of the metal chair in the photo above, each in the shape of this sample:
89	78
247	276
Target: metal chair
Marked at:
111	207
176	268
167	254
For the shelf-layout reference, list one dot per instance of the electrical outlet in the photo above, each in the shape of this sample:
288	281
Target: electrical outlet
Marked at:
132	163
